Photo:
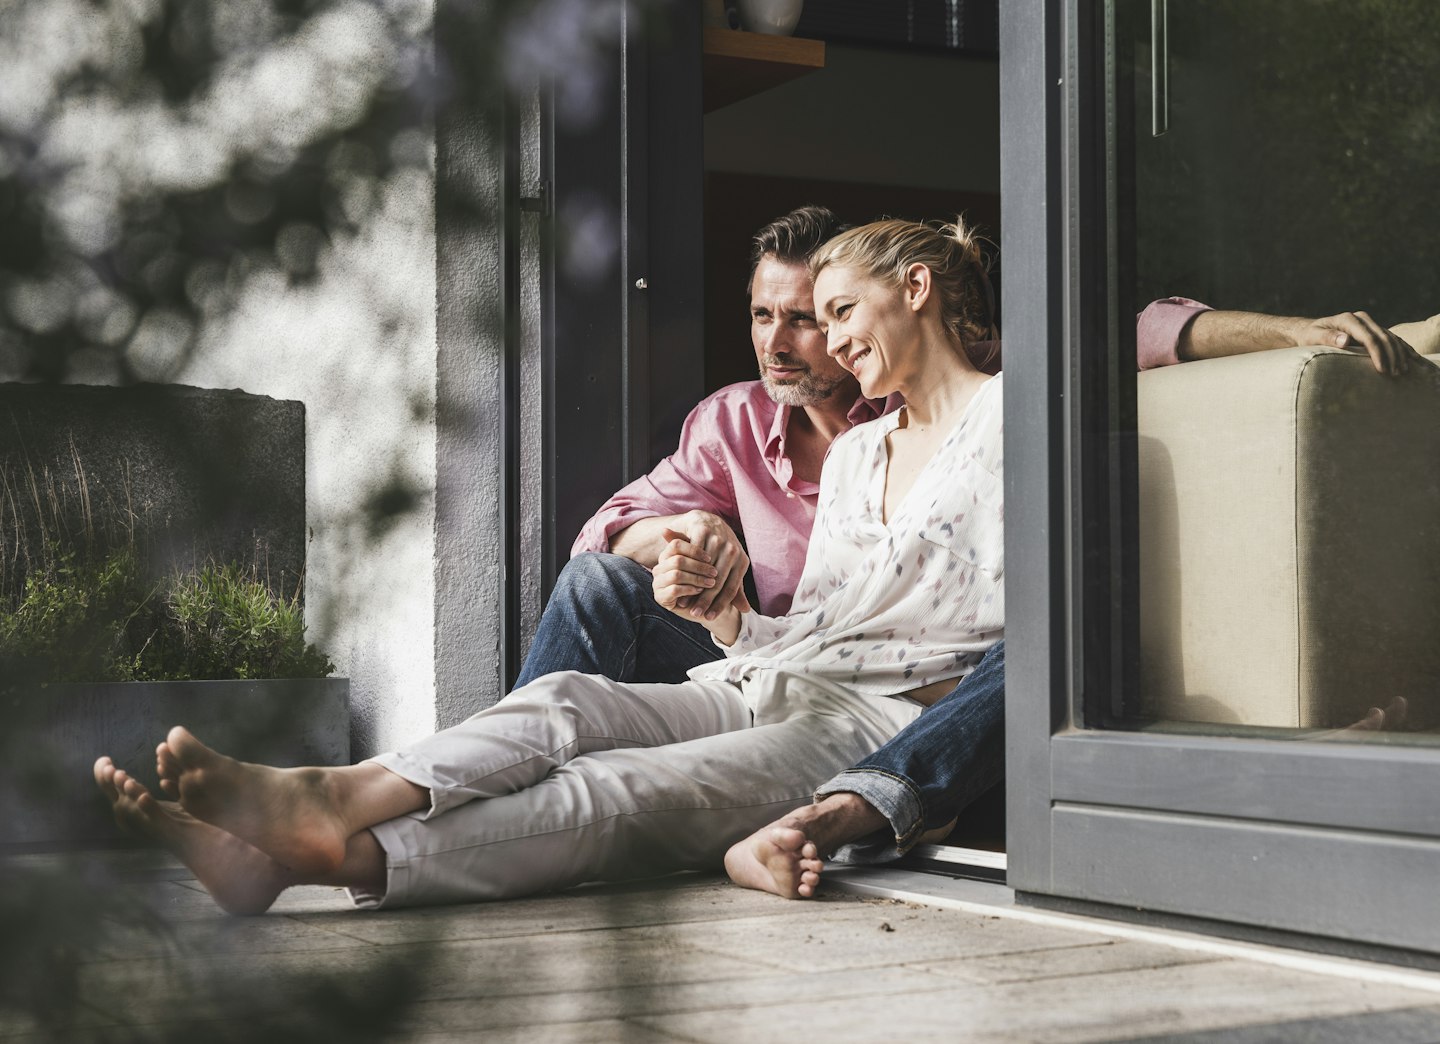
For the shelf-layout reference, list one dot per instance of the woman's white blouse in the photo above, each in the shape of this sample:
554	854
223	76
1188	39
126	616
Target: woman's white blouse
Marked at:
883	608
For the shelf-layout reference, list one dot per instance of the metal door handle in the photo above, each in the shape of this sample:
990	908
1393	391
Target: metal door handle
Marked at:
1159	67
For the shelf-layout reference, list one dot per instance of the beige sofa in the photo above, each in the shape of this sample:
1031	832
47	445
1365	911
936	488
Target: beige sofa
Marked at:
1290	538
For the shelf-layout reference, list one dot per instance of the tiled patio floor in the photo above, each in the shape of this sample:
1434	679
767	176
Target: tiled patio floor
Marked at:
695	959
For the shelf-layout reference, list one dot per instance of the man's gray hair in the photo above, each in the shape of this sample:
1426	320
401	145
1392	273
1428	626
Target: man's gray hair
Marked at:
791	239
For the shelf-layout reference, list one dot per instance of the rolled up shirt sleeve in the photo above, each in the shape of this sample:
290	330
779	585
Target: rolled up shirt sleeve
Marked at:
1158	329
692	478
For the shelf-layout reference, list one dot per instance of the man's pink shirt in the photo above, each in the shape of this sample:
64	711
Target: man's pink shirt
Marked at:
731	461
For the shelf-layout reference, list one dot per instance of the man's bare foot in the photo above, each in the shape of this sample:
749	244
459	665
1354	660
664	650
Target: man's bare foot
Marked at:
1388	719
240	878
291	815
787	856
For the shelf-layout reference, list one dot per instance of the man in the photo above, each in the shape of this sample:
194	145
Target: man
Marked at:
748	466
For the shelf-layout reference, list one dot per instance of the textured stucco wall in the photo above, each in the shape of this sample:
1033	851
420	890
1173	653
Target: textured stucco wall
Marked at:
358	348
468	572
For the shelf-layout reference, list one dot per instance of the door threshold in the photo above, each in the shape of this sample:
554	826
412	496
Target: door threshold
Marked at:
993	899
978	863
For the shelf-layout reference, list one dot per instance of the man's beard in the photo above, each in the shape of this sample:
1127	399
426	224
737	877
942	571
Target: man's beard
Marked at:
805	389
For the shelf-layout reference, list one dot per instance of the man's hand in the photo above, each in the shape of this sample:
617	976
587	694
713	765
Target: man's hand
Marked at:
718	554
1358	332
682	576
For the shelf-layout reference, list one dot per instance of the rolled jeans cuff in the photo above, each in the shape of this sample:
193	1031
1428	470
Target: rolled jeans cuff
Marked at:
894	797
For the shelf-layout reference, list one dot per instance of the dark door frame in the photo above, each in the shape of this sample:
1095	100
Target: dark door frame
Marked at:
1340	841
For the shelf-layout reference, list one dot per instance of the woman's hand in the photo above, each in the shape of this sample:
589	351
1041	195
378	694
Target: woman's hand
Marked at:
682	574
644	541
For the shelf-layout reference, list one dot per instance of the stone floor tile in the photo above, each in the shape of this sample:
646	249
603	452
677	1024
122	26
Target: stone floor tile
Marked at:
679	900
608	1031
1401	1026
1095	956
867	934
542	1009
1083	1008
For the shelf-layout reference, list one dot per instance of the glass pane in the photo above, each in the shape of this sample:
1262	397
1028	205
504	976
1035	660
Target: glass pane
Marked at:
1288	508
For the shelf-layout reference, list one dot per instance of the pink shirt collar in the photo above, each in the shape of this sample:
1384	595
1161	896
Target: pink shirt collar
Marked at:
778	460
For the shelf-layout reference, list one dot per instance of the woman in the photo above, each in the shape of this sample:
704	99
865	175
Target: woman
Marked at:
576	778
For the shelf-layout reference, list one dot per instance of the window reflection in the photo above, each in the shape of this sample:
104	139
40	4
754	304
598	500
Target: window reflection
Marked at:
1289	474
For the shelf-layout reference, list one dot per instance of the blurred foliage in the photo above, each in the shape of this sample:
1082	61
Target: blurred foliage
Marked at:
175	150
159	160
66	914
65	923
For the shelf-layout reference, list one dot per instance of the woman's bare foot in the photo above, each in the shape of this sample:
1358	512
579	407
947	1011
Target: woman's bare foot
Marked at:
292	815
786	857
776	859
240	878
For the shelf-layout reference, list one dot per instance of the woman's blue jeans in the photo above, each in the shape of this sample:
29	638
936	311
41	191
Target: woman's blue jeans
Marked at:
935	767
603	619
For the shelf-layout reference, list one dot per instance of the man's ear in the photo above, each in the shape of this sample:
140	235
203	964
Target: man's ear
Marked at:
917	286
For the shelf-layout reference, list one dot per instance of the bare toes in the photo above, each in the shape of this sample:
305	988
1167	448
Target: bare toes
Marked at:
167	765
105	777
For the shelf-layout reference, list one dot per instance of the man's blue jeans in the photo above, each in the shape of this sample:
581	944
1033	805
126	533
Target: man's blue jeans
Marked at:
935	767
602	618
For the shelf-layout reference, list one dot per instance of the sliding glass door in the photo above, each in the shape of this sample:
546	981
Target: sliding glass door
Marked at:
1224	581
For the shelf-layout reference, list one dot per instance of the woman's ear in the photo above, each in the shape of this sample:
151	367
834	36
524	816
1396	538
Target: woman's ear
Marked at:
917	286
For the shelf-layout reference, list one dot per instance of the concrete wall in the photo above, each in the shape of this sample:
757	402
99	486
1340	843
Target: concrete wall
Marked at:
358	348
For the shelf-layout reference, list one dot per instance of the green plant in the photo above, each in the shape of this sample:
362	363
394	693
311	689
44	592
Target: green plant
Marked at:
72	621
220	622
78	621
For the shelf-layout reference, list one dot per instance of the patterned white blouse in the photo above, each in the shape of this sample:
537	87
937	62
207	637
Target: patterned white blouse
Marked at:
883	608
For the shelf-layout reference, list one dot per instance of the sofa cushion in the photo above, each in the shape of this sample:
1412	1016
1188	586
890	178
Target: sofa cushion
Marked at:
1423	336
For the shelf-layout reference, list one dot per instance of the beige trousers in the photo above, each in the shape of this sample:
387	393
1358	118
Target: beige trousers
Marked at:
578	778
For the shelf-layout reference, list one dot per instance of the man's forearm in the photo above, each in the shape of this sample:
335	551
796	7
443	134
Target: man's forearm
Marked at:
1215	334
643	540
1211	335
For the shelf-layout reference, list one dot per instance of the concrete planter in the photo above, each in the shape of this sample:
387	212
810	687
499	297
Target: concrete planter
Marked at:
55	802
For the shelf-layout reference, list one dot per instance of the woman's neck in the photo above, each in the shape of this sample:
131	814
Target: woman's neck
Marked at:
940	389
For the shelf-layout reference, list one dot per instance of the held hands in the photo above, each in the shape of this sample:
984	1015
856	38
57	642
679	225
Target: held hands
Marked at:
720	549
1360	333
689	580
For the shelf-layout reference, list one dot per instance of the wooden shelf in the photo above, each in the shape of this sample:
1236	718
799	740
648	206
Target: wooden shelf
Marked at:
739	64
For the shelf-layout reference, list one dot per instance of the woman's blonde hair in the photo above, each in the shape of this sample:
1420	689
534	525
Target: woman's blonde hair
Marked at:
885	250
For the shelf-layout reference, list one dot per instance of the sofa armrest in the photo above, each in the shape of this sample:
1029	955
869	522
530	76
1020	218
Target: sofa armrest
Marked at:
1289	565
